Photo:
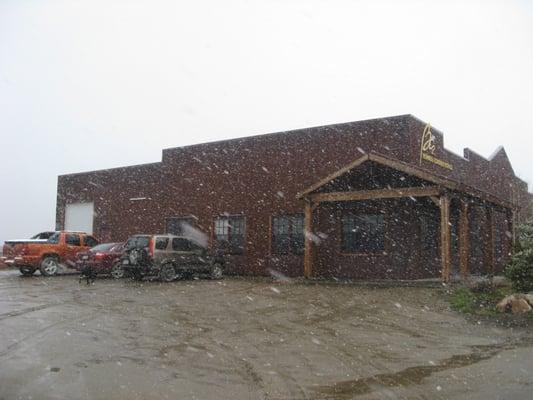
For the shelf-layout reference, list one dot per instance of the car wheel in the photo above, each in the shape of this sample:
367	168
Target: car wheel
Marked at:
217	272
179	275
27	270
49	266
117	272
167	272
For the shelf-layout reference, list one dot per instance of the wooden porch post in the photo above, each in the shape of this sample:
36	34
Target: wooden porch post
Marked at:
464	240
308	244
445	240
489	246
509	234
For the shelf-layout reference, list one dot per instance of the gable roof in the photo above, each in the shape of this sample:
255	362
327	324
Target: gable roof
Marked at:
388	162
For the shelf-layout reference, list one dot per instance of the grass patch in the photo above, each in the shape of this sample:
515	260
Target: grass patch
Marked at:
468	301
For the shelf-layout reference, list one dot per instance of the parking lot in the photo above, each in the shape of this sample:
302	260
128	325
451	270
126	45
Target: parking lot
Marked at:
248	339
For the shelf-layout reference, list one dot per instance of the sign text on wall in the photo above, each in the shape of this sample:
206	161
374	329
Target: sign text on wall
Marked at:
428	147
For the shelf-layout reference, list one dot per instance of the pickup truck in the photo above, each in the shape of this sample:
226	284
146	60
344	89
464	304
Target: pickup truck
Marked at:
60	249
11	247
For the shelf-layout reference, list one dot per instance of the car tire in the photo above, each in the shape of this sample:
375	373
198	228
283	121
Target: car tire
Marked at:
180	275
117	272
27	270
49	266
217	272
167	273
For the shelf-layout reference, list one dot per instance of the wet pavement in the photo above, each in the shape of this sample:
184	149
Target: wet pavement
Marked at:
249	339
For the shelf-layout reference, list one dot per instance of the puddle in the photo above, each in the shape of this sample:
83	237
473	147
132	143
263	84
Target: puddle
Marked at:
409	376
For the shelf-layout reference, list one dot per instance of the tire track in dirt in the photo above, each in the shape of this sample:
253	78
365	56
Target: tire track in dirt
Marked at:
26	311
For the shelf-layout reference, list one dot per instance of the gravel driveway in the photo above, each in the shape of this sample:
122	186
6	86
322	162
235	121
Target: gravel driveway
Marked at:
248	339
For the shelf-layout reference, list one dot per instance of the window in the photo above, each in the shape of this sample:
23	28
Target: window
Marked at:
90	241
73	240
43	235
364	233
137	242
229	233
175	225
54	239
288	234
181	244
161	243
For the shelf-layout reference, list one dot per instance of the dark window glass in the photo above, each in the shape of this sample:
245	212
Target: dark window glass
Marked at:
54	239
288	234
161	243
181	244
229	233
43	235
176	226
90	241
364	233
73	240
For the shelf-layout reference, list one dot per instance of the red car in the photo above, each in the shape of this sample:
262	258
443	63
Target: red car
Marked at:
102	259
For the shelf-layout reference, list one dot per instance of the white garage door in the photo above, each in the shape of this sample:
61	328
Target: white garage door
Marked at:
79	217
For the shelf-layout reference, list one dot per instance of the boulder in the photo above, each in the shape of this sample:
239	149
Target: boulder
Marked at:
505	304
529	298
520	306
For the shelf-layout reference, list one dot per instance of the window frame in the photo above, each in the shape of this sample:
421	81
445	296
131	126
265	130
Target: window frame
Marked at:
383	252
291	235
230	248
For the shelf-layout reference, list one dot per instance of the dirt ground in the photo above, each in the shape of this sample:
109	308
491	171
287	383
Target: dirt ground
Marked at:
248	339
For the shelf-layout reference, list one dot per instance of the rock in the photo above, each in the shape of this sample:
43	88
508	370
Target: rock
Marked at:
520	306
529	298
505	304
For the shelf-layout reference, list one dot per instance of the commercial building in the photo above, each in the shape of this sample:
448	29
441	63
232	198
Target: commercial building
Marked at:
374	199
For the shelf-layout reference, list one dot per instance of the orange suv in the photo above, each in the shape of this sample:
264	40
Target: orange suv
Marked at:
60	249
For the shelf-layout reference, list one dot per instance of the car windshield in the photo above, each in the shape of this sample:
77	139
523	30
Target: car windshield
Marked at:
137	242
103	247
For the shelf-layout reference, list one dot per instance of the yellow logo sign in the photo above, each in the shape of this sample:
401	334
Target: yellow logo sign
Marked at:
428	140
427	149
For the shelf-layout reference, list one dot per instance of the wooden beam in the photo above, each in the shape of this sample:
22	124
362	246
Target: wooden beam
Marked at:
490	259
435	200
445	239
308	243
509	234
464	240
332	176
408	169
377	194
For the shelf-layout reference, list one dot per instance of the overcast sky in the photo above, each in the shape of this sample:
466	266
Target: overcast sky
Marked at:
93	84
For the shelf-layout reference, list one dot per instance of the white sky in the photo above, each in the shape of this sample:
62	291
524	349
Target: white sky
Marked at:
97	84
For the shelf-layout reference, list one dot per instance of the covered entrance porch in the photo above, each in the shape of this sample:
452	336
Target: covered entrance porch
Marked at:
379	218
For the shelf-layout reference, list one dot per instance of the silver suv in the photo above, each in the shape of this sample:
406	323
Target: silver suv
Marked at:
169	257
